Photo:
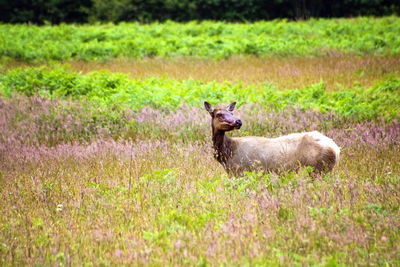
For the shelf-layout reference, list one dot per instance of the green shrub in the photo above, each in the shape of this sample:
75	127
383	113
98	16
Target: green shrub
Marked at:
118	90
204	39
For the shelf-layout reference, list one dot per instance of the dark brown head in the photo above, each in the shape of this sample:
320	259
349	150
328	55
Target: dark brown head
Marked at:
223	119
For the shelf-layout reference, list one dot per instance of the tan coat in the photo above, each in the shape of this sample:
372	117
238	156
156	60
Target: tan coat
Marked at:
283	153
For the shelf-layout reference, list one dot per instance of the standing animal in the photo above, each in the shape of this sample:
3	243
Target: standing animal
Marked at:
252	153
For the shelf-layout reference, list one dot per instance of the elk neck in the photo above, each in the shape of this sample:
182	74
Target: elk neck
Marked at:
222	146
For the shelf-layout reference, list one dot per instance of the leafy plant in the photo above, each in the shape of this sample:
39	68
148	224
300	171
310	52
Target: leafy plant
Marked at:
118	91
365	35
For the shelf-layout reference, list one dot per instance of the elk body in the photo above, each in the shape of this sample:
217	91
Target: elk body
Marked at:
251	153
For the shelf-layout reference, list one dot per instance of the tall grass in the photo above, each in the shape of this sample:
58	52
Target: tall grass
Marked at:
285	72
337	71
158	197
39	121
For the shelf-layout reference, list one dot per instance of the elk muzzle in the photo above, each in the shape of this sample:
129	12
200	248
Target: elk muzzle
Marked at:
229	122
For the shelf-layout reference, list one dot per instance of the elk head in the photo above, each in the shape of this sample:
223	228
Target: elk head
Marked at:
223	119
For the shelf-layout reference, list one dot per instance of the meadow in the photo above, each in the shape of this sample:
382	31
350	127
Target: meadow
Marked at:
107	159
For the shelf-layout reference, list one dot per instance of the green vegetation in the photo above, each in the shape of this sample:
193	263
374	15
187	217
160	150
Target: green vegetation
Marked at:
103	168
155	200
113	89
205	39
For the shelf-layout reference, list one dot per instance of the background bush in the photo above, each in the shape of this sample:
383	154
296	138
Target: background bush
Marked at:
361	36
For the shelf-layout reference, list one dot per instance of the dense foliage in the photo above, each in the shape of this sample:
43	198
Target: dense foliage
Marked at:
206	39
113	89
56	11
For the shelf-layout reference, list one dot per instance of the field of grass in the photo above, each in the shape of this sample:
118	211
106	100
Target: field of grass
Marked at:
337	72
154	194
111	163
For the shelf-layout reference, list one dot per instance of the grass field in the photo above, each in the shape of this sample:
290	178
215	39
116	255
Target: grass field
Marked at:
111	168
285	72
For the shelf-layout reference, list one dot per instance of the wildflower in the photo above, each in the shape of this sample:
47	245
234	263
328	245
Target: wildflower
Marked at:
59	207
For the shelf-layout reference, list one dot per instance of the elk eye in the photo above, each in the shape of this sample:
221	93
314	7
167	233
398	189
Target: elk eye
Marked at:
219	115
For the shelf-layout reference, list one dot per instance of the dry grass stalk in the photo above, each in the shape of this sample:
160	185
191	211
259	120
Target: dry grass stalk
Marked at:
287	73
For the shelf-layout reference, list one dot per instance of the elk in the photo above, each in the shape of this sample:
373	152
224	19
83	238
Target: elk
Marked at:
253	153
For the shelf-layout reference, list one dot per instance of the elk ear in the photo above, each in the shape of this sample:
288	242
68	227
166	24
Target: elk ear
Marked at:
231	107
208	107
